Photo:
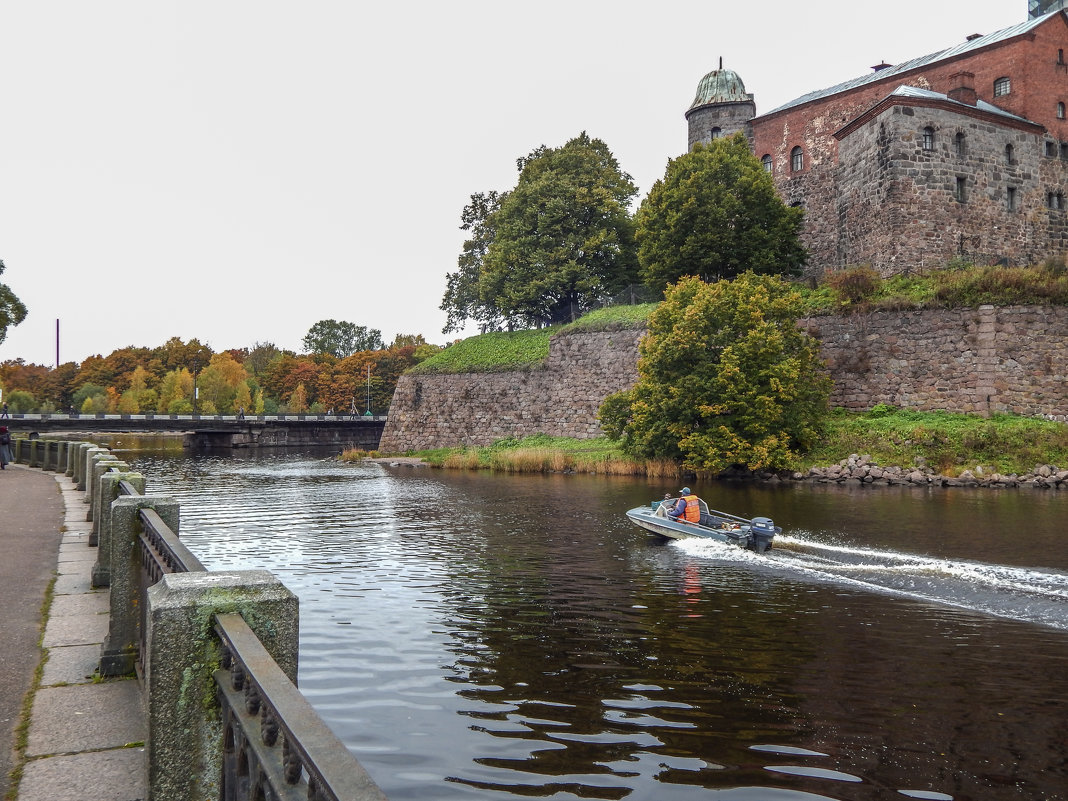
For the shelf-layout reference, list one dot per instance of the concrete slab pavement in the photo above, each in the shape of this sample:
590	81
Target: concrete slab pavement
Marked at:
86	736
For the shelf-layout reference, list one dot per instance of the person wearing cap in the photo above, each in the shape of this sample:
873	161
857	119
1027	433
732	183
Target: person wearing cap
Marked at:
687	507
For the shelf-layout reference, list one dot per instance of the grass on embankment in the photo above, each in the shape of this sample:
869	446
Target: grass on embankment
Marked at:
946	442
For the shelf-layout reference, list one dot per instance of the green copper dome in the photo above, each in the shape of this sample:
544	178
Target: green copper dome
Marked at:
720	86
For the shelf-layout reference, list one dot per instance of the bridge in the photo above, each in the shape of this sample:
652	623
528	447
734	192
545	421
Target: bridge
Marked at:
207	432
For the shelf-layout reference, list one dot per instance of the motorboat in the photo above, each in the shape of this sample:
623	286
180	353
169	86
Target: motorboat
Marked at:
755	534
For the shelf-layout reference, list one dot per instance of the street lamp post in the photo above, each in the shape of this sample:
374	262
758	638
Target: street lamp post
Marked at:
196	389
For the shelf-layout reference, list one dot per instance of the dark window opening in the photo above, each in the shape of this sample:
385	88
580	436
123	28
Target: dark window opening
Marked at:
928	138
960	190
1060	111
717	133
1010	198
958	144
1060	56
1002	86
1055	200
797	159
1051	149
1010	154
766	161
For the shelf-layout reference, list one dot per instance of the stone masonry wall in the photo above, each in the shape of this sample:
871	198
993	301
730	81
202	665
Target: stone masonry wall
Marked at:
560	398
1010	359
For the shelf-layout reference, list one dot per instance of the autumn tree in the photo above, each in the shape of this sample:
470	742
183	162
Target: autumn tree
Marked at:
715	214
725	378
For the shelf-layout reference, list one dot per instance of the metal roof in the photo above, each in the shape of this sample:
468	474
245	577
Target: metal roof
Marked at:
982	105
922	61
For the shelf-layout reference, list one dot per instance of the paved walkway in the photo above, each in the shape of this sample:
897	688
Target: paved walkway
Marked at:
85	738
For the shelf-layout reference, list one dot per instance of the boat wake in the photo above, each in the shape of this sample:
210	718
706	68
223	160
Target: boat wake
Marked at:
1018	593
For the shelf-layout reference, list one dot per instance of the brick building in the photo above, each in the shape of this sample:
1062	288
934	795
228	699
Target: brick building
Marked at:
961	152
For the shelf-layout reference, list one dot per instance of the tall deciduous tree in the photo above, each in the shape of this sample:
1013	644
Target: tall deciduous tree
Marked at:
341	338
725	378
12	310
716	214
552	247
462	301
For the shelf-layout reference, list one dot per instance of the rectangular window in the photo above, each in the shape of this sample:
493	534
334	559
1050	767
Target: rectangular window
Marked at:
960	190
1010	198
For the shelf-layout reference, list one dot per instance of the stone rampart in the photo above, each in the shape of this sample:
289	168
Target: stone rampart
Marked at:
560	397
990	359
1005	359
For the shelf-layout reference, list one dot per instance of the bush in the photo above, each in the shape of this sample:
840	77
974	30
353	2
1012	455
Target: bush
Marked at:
854	285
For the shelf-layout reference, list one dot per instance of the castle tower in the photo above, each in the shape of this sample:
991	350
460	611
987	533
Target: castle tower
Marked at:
722	107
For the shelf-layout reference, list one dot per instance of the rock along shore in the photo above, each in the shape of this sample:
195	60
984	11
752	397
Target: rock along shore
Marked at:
860	469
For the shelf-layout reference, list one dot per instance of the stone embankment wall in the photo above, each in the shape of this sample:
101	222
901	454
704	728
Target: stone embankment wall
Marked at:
1007	359
990	359
559	398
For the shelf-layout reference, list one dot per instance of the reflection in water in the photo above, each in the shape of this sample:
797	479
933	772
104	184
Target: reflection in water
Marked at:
470	635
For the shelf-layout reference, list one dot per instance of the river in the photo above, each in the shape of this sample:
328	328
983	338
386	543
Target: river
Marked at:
477	636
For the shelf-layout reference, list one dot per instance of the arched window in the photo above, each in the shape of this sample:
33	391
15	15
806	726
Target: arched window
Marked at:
1010	154
717	133
797	159
766	161
958	143
928	138
1060	111
1002	86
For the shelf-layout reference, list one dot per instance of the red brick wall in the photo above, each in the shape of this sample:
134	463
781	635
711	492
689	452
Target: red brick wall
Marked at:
1039	82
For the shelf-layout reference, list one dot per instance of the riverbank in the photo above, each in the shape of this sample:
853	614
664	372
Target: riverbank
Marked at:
882	446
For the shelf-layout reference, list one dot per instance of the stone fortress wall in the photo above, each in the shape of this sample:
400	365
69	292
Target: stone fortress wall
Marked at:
1008	359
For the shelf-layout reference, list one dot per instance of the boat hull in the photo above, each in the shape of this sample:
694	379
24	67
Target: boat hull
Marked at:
754	535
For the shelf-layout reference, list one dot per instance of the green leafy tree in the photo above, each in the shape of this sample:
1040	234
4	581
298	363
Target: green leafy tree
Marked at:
725	378
12	310
340	338
20	401
564	237
716	214
462	301
87	392
550	249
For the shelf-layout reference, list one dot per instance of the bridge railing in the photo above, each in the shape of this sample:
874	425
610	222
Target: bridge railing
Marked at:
216	652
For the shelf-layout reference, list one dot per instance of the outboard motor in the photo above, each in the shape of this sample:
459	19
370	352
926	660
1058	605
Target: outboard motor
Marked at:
762	532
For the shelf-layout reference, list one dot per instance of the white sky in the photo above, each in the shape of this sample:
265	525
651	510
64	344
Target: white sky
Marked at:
237	171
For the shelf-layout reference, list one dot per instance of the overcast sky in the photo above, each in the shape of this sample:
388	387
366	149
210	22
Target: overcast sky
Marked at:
237	171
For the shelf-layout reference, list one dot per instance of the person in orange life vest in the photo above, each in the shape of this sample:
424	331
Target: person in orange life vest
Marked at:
686	508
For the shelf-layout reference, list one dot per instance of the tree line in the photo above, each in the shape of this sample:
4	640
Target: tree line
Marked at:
345	367
563	241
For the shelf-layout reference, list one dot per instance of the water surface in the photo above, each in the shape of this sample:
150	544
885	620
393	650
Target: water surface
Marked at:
471	635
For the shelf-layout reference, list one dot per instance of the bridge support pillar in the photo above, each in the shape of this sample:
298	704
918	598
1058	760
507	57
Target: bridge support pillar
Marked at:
118	655
185	737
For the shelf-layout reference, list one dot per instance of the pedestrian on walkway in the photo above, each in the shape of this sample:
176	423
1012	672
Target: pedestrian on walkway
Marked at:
5	412
5	447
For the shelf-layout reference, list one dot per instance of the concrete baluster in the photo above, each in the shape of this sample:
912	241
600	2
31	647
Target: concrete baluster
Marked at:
100	468
184	728
119	652
86	468
106	495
